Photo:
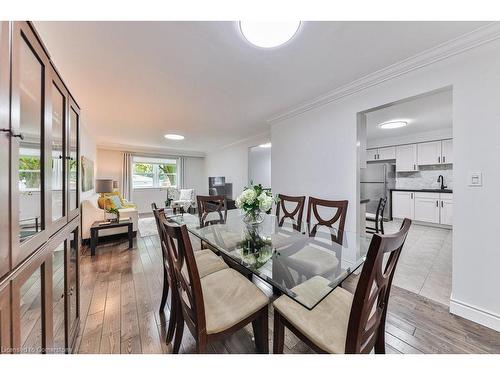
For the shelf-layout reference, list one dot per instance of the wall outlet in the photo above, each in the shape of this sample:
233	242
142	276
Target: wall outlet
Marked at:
475	179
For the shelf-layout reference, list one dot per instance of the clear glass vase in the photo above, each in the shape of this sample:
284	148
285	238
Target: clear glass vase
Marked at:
253	217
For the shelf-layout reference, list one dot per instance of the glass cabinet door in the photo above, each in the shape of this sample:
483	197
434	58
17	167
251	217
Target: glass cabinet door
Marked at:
73	262
58	154
28	159
5	320
4	148
30	308
73	161
58	300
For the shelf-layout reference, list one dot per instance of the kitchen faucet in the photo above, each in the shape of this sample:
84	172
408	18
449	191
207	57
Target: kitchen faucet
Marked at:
441	179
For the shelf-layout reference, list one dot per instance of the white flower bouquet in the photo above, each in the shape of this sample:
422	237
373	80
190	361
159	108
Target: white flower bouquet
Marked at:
253	201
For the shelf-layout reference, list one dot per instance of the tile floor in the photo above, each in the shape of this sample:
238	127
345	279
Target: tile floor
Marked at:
425	264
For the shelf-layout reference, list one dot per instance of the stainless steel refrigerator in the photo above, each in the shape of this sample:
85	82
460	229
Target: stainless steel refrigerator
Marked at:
376	181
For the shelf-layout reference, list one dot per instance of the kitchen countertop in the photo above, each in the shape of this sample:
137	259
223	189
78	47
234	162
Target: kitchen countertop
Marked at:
426	190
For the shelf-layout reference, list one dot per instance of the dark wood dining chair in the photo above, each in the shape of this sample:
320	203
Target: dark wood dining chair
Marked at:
217	305
343	322
207	261
339	216
208	204
295	215
377	218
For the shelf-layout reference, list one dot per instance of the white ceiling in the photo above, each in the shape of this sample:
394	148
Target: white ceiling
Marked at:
136	81
427	113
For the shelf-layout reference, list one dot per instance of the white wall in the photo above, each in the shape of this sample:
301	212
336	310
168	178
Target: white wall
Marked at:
259	166
322	145
232	163
88	149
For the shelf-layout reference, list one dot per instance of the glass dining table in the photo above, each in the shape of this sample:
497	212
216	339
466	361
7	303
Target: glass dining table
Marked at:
304	268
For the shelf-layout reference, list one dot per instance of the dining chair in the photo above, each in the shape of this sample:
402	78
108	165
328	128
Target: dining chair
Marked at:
339	216
295	215
208	204
207	261
377	217
217	305
343	322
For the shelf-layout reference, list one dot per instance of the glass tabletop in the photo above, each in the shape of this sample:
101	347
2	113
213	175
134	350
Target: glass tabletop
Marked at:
304	268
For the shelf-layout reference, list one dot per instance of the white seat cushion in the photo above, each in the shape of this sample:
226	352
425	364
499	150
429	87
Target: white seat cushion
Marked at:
326	324
207	261
229	298
313	261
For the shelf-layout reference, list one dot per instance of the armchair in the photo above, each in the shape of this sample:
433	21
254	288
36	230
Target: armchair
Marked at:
182	199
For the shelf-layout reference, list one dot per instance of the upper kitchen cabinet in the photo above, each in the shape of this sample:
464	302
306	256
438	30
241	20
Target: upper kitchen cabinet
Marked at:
383	153
429	153
406	158
447	151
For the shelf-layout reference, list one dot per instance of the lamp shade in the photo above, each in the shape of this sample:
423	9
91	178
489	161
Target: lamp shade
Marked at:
103	186
115	184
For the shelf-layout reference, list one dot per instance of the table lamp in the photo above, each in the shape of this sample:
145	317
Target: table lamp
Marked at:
103	186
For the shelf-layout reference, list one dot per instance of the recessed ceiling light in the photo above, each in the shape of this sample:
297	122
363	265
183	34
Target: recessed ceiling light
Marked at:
269	34
174	137
266	145
393	124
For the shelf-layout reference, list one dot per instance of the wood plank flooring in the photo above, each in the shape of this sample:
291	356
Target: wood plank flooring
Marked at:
121	293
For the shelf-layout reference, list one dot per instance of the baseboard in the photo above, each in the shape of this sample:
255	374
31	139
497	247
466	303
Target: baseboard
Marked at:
485	318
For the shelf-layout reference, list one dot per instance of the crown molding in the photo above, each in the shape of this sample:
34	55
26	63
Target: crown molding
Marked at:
158	151
473	39
257	137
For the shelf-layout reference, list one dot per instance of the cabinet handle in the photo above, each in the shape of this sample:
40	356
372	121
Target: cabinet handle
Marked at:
437	203
414	167
12	134
444	158
441	203
439	159
411	194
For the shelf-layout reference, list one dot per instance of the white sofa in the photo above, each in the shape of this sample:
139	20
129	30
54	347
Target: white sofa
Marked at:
91	213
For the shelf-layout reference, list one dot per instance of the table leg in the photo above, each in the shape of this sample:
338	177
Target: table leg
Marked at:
130	237
93	241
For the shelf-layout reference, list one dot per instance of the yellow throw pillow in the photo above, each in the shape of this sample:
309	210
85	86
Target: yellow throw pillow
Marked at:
119	196
105	203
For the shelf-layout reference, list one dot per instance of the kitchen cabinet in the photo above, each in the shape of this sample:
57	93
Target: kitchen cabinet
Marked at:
427	207
429	153
447	151
446	209
371	154
436	208
387	153
403	205
5	320
406	158
383	153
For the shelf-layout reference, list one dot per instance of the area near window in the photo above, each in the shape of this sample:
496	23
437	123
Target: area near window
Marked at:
150	172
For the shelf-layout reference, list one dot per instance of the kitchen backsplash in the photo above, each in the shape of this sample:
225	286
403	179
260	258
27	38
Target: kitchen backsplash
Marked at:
425	178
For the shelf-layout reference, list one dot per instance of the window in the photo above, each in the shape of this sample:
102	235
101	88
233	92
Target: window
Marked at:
154	173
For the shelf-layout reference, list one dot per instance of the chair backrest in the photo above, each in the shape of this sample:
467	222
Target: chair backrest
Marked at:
369	306
205	206
339	216
295	214
180	254
157	214
380	208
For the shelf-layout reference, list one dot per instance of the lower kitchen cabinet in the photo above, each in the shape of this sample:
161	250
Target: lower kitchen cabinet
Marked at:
446	210
427	207
402	204
436	208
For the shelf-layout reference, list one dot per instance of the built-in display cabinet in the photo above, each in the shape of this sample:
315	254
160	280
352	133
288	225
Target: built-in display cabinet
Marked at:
39	198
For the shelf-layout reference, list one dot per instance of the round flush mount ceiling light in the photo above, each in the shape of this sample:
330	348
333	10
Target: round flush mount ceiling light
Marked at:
266	145
269	34
174	137
393	124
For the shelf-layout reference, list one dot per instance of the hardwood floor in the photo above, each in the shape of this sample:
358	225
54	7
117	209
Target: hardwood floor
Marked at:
121	292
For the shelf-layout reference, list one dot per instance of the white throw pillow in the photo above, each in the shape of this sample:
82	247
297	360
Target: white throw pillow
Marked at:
185	195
